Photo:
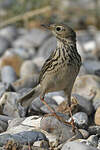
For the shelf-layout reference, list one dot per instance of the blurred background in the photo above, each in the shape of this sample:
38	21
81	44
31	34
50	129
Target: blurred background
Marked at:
80	14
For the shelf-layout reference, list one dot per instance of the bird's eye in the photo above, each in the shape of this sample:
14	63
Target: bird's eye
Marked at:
58	29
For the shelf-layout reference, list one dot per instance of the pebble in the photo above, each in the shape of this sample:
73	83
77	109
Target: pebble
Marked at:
29	137
8	75
85	84
24	53
81	120
34	38
9	32
3	126
74	145
84	133
9	102
4	45
62	131
91	66
11	59
28	68
84	104
38	106
97	116
94	129
46	49
25	83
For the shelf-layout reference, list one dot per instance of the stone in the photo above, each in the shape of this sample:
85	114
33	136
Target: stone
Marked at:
86	85
24	53
97	116
93	139
25	137
8	74
28	68
3	126
11	59
9	100
24	131
37	105
4	45
84	133
34	38
46	49
9	32
25	83
91	66
39	61
96	103
94	130
81	120
84	104
62	131
74	145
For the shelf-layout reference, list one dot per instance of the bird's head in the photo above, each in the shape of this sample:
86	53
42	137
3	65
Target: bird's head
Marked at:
62	31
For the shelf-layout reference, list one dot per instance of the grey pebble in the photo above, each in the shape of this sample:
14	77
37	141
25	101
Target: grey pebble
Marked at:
91	66
8	74
37	104
96	103
25	137
48	46
9	100
81	120
4	45
34	38
24	53
84	104
3	126
9	32
77	146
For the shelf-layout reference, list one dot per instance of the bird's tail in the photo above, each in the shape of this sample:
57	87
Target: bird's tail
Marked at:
30	96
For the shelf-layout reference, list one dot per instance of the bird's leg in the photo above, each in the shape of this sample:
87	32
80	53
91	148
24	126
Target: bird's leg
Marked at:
54	113
70	112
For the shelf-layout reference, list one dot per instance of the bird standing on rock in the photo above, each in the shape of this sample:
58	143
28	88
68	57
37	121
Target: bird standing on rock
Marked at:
60	69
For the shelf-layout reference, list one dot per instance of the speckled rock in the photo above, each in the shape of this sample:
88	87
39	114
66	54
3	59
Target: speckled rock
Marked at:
74	145
97	116
84	133
94	129
8	74
28	68
81	120
11	59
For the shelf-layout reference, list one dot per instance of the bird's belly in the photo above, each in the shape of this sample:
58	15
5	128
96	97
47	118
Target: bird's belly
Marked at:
59	80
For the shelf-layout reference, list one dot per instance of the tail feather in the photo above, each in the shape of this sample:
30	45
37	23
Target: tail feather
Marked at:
30	96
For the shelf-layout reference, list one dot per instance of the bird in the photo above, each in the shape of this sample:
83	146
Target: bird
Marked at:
60	69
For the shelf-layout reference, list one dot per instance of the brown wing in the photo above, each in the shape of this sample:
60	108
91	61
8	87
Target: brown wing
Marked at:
47	65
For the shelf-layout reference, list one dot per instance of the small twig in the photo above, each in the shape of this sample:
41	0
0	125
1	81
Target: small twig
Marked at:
25	16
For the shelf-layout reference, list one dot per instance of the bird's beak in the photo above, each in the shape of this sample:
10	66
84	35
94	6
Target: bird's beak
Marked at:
46	26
